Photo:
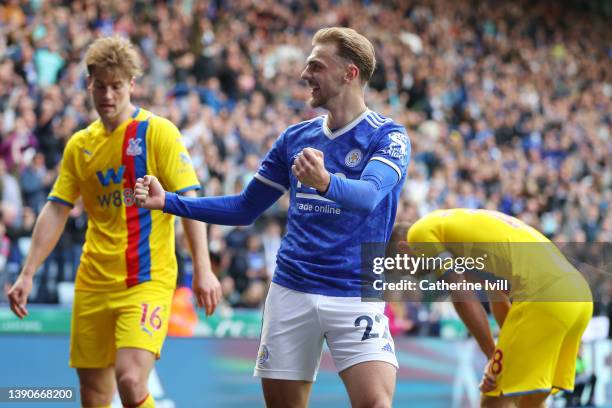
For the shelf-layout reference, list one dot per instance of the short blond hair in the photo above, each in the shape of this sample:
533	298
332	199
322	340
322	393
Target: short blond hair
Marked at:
352	46
114	53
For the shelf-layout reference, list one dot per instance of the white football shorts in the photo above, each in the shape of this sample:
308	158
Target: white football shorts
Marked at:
296	323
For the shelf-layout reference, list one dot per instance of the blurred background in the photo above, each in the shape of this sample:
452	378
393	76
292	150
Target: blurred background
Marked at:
508	105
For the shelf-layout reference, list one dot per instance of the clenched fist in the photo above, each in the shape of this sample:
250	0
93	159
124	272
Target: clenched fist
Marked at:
149	193
309	168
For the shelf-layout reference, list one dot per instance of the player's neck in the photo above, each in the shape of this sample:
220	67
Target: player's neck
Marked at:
110	124
344	110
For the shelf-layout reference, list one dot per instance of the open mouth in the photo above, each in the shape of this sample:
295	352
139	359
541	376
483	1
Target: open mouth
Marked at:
313	86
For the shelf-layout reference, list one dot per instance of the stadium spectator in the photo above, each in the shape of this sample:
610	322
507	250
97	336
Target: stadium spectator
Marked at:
35	182
10	196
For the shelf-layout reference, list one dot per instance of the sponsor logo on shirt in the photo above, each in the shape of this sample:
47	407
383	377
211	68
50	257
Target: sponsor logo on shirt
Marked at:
184	158
398	149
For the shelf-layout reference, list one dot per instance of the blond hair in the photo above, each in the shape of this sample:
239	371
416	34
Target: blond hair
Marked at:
114	53
352	46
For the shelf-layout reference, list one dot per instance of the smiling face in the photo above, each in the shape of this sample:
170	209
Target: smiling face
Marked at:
325	74
110	92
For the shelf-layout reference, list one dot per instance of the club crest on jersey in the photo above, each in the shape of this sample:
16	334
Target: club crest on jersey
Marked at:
134	148
353	158
398	149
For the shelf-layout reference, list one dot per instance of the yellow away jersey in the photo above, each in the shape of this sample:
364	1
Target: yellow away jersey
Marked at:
124	245
513	250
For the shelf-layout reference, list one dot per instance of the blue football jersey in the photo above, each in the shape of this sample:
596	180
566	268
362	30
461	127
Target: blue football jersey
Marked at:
321	251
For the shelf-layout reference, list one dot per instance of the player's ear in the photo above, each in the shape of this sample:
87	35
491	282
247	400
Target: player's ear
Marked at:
90	69
351	73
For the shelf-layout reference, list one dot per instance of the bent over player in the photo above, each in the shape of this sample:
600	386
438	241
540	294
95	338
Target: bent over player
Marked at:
551	302
127	274
344	172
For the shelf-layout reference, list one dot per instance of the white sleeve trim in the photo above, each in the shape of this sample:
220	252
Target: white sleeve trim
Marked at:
313	197
390	164
270	183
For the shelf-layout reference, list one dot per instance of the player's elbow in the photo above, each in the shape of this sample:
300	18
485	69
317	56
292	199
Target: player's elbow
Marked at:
368	200
244	220
365	207
248	213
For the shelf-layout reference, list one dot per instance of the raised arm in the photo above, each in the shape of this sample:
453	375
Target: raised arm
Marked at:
376	181
241	209
47	231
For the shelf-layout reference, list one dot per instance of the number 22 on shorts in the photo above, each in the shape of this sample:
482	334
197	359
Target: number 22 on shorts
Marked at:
368	333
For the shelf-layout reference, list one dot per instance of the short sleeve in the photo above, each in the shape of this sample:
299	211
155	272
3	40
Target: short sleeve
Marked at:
425	242
393	149
274	169
174	167
66	188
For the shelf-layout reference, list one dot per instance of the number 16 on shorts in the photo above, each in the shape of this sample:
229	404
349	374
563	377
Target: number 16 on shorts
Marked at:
150	319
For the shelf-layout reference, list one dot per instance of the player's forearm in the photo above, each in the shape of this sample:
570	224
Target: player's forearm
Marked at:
240	209
475	319
364	194
197	239
500	306
47	231
356	195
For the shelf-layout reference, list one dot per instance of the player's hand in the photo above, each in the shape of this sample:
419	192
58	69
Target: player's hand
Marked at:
149	193
207	291
488	382
18	295
309	168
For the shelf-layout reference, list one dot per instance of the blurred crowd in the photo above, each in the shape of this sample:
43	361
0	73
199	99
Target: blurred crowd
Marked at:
507	104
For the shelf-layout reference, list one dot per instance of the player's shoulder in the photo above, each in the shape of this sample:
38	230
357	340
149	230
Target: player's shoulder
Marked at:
79	137
157	122
385	128
421	230
442	215
161	129
375	120
382	124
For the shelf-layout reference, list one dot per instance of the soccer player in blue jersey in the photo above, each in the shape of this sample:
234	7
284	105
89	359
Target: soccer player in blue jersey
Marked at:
344	172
